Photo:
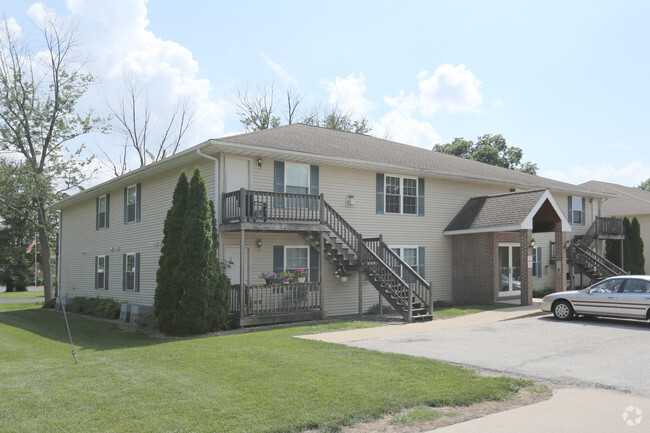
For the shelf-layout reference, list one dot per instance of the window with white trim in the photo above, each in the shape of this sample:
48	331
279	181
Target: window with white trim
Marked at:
102	212
101	269
296	178
577	211
411	255
131	203
296	258
537	262
401	195
130	272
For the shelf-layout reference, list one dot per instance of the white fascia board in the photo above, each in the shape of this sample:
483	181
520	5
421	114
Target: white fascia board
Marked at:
527	223
482	230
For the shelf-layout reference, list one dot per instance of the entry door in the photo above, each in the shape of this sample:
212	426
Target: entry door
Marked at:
232	255
237	174
509	269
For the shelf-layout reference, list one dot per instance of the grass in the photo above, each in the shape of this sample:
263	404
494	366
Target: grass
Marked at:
461	310
419	415
22	295
263	381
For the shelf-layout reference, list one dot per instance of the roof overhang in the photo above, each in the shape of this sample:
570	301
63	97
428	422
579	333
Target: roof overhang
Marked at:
527	223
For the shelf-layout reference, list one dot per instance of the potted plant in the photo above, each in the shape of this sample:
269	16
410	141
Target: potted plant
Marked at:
341	274
269	277
286	276
301	275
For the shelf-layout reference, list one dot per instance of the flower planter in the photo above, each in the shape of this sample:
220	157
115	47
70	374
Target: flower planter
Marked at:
343	279
301	279
269	281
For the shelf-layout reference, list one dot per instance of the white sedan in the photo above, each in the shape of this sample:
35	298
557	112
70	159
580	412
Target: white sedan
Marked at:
624	296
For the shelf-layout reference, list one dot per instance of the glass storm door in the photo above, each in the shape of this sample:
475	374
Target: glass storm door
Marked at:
509	269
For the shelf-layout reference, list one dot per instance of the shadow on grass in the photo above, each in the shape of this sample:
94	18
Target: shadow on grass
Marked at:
86	333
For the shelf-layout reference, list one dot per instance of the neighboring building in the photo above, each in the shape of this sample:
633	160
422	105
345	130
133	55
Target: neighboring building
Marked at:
627	202
400	219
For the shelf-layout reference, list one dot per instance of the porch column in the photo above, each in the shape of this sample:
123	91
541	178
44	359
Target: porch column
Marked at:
242	268
526	277
560	260
321	269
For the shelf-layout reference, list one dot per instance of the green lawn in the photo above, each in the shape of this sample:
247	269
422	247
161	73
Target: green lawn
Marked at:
449	312
22	295
263	381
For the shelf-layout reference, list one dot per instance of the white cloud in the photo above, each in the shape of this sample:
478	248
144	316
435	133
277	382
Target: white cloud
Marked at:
452	88
347	94
14	28
116	36
281	72
404	129
630	175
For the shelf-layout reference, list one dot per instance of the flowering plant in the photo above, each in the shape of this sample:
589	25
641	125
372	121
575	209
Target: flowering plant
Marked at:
340	272
268	275
299	273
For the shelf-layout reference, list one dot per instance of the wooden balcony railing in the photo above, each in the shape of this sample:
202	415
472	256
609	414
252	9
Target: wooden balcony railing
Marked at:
276	298
265	206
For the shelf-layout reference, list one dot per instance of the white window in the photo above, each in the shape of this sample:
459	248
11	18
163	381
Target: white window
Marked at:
296	258
102	213
411	255
131	203
577	213
130	271
401	195
537	262
101	271
296	178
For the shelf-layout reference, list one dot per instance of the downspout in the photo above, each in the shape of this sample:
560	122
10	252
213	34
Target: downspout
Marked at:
59	284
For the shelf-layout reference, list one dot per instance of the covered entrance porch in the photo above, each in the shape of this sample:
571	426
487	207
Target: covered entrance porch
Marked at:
493	246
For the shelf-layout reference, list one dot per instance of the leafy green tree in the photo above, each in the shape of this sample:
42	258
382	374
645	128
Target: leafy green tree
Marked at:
39	91
613	251
169	291
489	149
645	185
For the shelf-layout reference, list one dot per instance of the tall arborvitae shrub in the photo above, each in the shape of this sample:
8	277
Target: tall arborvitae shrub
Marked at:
219	295
613	251
169	291
196	266
636	258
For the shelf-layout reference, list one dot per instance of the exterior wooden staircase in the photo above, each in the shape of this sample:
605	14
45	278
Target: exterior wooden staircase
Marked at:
404	289
592	264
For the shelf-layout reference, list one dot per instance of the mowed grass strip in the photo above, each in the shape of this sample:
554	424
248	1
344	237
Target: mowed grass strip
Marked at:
22	295
262	381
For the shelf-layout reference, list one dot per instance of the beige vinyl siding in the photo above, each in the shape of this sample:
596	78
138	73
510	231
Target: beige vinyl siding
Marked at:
81	242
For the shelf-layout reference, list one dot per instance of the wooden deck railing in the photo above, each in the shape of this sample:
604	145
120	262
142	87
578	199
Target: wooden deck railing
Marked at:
276	298
263	206
602	227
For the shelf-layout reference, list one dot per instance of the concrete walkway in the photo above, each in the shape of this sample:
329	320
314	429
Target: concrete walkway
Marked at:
21	300
413	328
569	410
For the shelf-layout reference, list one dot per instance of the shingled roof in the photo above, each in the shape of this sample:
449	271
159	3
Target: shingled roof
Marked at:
628	201
313	140
507	212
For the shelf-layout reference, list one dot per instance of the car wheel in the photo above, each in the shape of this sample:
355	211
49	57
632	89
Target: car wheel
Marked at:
562	310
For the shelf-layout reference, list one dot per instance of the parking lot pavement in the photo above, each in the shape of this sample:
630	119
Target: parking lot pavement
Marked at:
597	353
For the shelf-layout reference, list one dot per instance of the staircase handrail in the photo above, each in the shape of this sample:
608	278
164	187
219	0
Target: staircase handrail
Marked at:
341	228
367	250
396	257
588	237
598	260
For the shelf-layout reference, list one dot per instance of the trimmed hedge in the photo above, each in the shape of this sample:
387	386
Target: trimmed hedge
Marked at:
105	308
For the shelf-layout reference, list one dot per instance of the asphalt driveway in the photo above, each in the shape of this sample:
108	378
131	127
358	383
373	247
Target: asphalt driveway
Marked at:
585	352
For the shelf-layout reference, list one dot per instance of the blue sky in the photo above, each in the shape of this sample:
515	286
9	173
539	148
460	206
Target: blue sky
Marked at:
567	81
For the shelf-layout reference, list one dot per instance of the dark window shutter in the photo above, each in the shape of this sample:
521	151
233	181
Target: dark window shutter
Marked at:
126	207
108	209
136	284
421	261
278	258
138	201
123	271
105	272
313	180
278	181
584	211
96	218
314	263
96	275
420	196
570	210
380	193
